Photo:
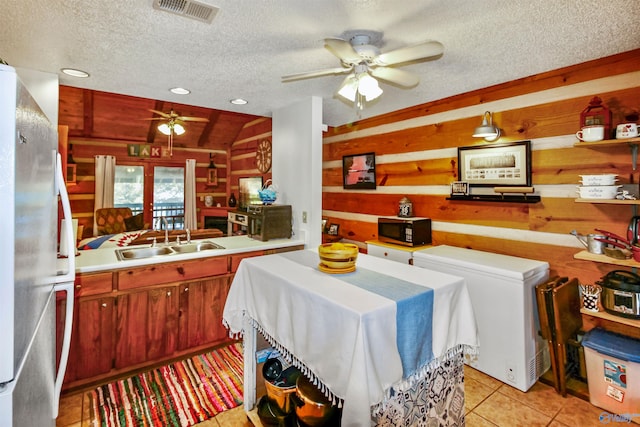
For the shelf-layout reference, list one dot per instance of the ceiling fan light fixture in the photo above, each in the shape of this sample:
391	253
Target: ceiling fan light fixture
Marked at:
178	129
349	88
369	87
487	129
164	128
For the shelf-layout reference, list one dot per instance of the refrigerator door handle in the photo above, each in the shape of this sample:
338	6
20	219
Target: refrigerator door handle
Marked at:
66	343
65	283
66	210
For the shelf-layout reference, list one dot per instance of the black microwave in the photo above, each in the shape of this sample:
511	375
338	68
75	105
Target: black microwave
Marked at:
405	231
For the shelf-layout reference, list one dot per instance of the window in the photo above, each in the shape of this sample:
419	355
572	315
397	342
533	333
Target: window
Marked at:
161	188
128	190
168	196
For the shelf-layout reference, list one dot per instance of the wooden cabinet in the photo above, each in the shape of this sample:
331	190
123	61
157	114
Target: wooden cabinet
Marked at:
92	339
147	326
136	317
201	306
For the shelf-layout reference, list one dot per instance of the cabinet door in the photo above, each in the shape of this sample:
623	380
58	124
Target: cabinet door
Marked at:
147	326
92	340
201	306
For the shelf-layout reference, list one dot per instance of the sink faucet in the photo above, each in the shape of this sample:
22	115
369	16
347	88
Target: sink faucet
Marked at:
188	235
166	230
157	227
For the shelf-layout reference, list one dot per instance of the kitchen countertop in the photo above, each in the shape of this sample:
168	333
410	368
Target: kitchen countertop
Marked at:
95	260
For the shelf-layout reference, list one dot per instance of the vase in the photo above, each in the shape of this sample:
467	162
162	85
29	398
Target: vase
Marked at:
232	201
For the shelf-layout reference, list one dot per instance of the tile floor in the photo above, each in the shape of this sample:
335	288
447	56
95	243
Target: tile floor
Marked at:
488	402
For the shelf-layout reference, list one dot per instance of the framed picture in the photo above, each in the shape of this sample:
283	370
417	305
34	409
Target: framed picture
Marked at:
459	188
333	229
212	176
359	171
496	164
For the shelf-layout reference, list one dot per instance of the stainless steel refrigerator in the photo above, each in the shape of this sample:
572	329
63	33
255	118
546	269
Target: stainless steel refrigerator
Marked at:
31	188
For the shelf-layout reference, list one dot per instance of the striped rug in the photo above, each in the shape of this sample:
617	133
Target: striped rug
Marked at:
177	395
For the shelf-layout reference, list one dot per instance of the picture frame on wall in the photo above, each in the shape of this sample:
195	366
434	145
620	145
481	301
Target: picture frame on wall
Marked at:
333	229
505	164
359	171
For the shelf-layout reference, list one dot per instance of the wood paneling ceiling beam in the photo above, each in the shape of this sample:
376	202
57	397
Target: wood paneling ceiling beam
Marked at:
87	102
204	136
153	124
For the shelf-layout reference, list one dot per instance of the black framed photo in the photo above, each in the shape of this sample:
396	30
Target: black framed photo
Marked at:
333	229
359	171
504	165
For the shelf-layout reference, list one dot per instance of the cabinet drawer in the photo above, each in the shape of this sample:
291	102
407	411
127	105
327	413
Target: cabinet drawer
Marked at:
172	272
235	259
93	284
398	255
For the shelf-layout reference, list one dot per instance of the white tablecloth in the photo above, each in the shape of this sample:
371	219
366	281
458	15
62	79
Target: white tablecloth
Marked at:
344	335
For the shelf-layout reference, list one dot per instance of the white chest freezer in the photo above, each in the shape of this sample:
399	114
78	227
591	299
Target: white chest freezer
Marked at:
502	290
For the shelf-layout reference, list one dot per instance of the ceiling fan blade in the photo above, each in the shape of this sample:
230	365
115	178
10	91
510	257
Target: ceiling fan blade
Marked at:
393	75
154	118
165	115
343	50
317	73
192	119
411	53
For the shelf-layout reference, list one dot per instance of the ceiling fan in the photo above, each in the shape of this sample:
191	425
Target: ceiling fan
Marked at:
360	56
174	124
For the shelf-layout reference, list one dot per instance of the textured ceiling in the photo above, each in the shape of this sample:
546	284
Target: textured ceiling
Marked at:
130	48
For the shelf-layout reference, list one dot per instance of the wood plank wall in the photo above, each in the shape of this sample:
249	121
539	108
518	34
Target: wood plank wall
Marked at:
416	156
240	159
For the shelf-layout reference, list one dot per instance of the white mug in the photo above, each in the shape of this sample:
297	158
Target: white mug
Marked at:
591	133
626	130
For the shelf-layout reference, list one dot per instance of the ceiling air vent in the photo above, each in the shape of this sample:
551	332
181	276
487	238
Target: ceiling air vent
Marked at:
188	8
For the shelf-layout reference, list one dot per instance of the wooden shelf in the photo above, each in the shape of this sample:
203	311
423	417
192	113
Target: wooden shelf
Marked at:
588	256
607	142
634	323
609	201
496	198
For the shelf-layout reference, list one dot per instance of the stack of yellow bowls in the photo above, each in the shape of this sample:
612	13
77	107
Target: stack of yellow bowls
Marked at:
337	257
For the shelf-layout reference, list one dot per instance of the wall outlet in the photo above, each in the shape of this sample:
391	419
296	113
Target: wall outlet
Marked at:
304	217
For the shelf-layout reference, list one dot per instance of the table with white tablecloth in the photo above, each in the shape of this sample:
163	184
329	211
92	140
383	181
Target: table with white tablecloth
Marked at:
346	334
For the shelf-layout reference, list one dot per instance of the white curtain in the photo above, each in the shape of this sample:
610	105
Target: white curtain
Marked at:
190	217
105	175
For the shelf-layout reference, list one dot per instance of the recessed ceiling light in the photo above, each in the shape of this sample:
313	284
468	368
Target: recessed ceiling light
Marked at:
75	73
238	101
180	91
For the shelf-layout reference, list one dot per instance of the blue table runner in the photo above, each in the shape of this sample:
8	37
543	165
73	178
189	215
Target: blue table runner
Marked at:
414	310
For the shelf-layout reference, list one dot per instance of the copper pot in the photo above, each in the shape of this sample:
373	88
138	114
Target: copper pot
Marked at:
313	408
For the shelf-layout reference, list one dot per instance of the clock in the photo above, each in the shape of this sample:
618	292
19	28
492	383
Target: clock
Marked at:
263	156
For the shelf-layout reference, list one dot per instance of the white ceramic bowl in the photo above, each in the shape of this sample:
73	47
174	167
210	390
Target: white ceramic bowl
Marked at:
602	179
598	191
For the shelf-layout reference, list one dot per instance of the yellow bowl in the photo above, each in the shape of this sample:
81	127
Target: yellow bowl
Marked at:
338	256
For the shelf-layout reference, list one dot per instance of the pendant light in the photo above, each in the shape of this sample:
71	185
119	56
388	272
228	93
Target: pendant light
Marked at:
487	129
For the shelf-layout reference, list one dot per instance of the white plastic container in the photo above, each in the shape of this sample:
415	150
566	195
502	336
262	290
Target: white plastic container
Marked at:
613	372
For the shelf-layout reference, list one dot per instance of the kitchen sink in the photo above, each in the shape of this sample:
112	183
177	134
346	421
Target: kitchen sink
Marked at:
196	247
161	251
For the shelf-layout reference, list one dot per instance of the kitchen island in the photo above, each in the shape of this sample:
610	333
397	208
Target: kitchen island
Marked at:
365	336
134	313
